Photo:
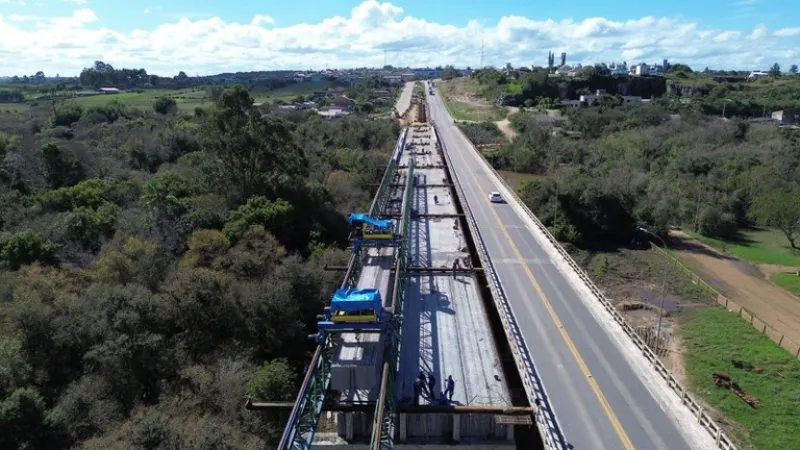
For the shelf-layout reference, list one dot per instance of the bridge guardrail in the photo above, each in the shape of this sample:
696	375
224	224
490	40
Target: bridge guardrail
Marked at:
316	379
545	417
721	438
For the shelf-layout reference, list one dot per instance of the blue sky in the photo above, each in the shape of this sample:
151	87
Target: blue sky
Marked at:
715	33
730	14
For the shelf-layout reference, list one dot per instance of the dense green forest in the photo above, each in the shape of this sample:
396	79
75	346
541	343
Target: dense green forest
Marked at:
156	267
645	164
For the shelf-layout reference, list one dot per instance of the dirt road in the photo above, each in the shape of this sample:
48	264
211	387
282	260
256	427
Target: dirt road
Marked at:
743	283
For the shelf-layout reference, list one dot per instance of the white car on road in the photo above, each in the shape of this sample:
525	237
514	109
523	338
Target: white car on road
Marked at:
495	197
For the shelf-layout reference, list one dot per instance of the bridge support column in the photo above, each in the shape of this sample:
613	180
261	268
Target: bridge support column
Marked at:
403	428
348	426
456	427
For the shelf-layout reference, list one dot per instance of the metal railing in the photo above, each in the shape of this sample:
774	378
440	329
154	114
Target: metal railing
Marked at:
385	420
303	419
544	415
704	419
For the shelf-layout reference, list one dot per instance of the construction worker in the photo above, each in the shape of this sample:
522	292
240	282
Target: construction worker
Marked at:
450	386
423	384
418	386
431	387
455	267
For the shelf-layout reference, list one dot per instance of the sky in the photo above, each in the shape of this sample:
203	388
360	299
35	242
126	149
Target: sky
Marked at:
204	37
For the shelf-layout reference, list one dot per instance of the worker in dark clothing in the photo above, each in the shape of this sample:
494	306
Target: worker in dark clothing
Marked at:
431	387
423	384
417	391
450	386
442	400
455	267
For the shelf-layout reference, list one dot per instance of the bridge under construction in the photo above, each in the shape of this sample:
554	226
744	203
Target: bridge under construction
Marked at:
420	346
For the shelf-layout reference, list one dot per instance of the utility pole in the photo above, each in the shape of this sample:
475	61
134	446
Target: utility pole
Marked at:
480	66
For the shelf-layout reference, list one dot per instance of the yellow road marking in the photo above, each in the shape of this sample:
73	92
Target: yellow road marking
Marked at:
626	442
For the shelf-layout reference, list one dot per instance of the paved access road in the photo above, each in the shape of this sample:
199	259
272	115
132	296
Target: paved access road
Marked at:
597	397
404	102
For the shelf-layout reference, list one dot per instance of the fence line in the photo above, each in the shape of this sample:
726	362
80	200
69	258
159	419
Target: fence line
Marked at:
768	330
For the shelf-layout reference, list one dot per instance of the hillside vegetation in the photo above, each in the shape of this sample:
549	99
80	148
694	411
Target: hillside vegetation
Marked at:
605	169
156	267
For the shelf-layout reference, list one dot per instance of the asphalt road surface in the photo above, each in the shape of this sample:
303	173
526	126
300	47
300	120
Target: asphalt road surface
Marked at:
597	397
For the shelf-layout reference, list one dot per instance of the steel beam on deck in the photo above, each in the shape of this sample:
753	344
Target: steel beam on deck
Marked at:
407	409
446	270
425	216
415	269
429	185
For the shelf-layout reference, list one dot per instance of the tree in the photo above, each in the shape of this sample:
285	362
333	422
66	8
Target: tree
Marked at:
165	105
679	68
257	152
779	208
775	70
60	168
793	69
275	382
25	424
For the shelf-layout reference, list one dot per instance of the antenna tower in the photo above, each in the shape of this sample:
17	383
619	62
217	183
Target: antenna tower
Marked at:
480	66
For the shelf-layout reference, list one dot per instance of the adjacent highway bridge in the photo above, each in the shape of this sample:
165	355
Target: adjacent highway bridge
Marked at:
542	350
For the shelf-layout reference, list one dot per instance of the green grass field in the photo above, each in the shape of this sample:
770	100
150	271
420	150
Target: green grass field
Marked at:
187	99
290	92
712	338
461	87
516	179
788	281
13	108
760	246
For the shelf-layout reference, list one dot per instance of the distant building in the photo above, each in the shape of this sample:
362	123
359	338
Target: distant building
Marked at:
563	58
756	75
640	69
331	112
342	102
393	79
787	116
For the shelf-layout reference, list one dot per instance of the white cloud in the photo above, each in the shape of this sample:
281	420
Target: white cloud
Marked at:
260	20
23	18
759	32
788	32
213	45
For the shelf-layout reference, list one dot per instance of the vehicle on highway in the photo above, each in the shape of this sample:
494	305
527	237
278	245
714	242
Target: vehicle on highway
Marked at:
495	197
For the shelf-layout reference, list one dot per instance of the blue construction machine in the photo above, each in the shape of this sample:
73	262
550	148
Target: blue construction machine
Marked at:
354	310
371	232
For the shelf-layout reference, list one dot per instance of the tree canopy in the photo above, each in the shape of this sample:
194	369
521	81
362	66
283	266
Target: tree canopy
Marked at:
154	268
